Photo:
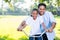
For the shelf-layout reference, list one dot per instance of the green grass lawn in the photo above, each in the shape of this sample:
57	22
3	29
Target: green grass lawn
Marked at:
9	24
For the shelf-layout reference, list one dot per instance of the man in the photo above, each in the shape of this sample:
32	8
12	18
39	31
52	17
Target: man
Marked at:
49	21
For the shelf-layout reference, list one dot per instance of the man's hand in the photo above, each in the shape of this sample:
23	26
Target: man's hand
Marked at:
52	27
49	30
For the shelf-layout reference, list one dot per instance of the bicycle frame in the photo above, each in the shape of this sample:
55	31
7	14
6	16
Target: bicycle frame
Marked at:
33	36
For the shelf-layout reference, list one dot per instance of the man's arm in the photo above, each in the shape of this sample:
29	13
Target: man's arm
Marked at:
43	25
52	27
53	22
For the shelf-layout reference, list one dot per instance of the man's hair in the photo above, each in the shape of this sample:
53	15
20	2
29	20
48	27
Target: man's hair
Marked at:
41	4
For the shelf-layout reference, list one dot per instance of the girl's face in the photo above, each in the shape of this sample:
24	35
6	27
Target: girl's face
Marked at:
34	14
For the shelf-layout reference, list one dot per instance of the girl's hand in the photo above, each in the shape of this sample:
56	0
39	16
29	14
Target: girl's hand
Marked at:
19	29
46	30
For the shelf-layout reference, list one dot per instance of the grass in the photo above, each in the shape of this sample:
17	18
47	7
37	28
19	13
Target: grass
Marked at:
9	24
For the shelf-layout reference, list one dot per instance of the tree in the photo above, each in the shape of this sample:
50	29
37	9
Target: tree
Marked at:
10	4
40	1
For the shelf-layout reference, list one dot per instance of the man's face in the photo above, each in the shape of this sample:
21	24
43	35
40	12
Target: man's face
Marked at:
41	9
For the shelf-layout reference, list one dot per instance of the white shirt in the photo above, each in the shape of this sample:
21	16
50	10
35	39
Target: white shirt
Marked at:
35	24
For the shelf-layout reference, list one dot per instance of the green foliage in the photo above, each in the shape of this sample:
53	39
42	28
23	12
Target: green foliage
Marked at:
56	38
10	4
7	38
7	1
41	1
35	5
58	3
50	7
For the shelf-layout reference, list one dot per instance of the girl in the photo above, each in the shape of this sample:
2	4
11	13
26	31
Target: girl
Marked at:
34	21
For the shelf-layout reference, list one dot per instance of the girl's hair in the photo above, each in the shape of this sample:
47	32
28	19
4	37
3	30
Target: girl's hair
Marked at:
34	10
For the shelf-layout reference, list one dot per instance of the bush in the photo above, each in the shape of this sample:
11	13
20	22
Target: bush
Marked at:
6	37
